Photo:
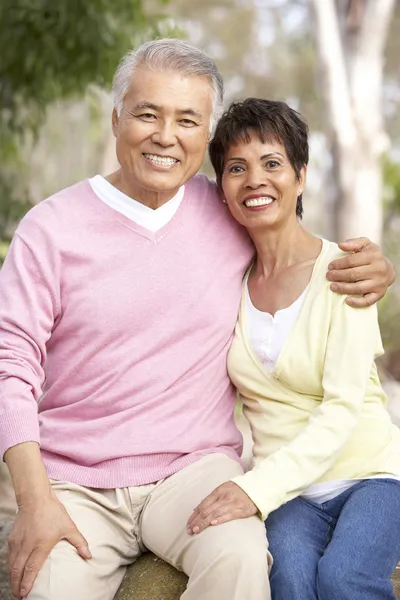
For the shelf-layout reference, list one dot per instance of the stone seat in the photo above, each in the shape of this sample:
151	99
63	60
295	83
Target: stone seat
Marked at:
150	578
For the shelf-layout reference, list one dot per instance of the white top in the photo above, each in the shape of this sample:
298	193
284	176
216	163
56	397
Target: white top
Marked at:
146	217
268	334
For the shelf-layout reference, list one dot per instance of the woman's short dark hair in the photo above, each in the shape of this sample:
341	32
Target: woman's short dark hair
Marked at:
273	121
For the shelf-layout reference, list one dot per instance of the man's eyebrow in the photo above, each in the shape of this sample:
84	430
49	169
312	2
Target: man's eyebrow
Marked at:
183	111
192	112
144	105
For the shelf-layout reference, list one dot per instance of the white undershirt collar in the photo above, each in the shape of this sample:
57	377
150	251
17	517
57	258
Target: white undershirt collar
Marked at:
146	217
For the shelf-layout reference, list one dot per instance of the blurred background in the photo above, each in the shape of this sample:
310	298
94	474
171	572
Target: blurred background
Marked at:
336	61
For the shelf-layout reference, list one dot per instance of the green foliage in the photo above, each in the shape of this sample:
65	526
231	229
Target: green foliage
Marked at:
391	177
53	49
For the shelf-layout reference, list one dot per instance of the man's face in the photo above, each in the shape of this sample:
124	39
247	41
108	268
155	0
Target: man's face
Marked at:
162	133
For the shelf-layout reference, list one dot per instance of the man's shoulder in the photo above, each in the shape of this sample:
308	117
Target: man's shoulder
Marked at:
201	184
213	214
58	210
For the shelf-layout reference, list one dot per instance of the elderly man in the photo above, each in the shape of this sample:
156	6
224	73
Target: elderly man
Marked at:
118	300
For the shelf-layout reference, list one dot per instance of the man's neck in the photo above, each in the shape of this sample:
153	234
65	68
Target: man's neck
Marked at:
150	198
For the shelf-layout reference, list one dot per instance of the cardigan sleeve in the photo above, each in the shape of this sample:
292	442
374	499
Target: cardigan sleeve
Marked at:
353	342
27	314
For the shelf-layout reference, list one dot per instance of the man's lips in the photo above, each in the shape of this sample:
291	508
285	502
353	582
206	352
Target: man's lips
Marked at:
161	161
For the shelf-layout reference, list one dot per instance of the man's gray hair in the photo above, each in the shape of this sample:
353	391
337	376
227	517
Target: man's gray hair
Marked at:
174	55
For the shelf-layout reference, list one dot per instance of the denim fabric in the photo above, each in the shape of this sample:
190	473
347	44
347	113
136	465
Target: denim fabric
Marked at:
344	549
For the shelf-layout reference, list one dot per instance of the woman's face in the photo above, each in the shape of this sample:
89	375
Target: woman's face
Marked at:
259	183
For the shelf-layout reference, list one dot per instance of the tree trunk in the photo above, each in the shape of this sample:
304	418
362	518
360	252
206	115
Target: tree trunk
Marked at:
351	60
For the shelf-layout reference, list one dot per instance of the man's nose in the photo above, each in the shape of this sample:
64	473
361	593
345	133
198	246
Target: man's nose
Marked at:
165	135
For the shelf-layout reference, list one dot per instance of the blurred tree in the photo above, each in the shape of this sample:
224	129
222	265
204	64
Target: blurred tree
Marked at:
351	37
51	50
391	197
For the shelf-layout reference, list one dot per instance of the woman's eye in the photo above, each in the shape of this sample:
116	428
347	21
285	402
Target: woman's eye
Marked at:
236	169
272	164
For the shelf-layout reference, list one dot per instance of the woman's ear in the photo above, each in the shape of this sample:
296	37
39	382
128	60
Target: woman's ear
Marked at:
221	194
302	180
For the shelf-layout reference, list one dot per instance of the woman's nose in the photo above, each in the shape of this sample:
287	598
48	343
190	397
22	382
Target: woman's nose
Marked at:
256	178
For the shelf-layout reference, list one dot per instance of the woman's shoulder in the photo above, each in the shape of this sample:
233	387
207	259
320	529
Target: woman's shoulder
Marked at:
330	252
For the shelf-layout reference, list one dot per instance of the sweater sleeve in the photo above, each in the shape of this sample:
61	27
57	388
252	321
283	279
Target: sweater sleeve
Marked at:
27	314
352	343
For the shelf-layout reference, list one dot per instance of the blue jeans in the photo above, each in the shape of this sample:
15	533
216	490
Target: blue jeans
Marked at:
344	549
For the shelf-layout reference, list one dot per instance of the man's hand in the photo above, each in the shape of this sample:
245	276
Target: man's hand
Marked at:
226	503
37	529
364	275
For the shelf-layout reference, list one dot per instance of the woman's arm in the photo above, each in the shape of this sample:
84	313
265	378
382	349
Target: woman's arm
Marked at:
353	341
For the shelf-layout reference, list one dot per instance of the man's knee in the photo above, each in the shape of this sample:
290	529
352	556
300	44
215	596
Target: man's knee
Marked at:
240	544
67	576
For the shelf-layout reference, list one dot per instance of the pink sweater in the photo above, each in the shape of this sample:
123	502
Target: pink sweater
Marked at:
113	340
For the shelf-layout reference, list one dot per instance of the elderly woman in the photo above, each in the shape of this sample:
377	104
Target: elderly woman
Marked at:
326	455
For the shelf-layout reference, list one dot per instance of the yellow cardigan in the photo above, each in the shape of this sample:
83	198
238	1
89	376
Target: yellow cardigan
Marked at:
321	414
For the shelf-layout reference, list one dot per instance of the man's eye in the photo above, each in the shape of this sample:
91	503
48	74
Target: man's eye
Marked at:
188	123
147	116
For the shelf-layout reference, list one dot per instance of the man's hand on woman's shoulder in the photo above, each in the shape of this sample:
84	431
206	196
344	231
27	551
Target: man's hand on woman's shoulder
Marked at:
364	274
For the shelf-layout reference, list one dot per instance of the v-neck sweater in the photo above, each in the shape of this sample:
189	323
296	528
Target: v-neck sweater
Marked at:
114	339
320	415
151	219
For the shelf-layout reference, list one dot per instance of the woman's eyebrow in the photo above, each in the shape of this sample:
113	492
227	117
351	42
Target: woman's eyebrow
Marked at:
272	154
236	158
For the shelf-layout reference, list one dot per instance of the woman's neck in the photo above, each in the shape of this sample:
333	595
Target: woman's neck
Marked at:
277	250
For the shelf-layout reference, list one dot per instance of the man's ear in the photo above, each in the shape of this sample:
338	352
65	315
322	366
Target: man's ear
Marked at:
115	121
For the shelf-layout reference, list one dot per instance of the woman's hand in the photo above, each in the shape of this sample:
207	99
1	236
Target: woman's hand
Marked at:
226	503
364	275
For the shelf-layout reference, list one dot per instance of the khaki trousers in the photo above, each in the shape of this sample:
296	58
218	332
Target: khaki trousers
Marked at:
225	562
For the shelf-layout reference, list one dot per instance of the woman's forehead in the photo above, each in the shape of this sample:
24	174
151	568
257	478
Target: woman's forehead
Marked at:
251	139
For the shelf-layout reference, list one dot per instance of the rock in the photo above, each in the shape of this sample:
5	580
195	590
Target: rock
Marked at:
396	582
5	591
150	578
7	498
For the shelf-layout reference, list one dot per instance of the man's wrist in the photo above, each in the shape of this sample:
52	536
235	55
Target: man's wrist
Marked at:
32	498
